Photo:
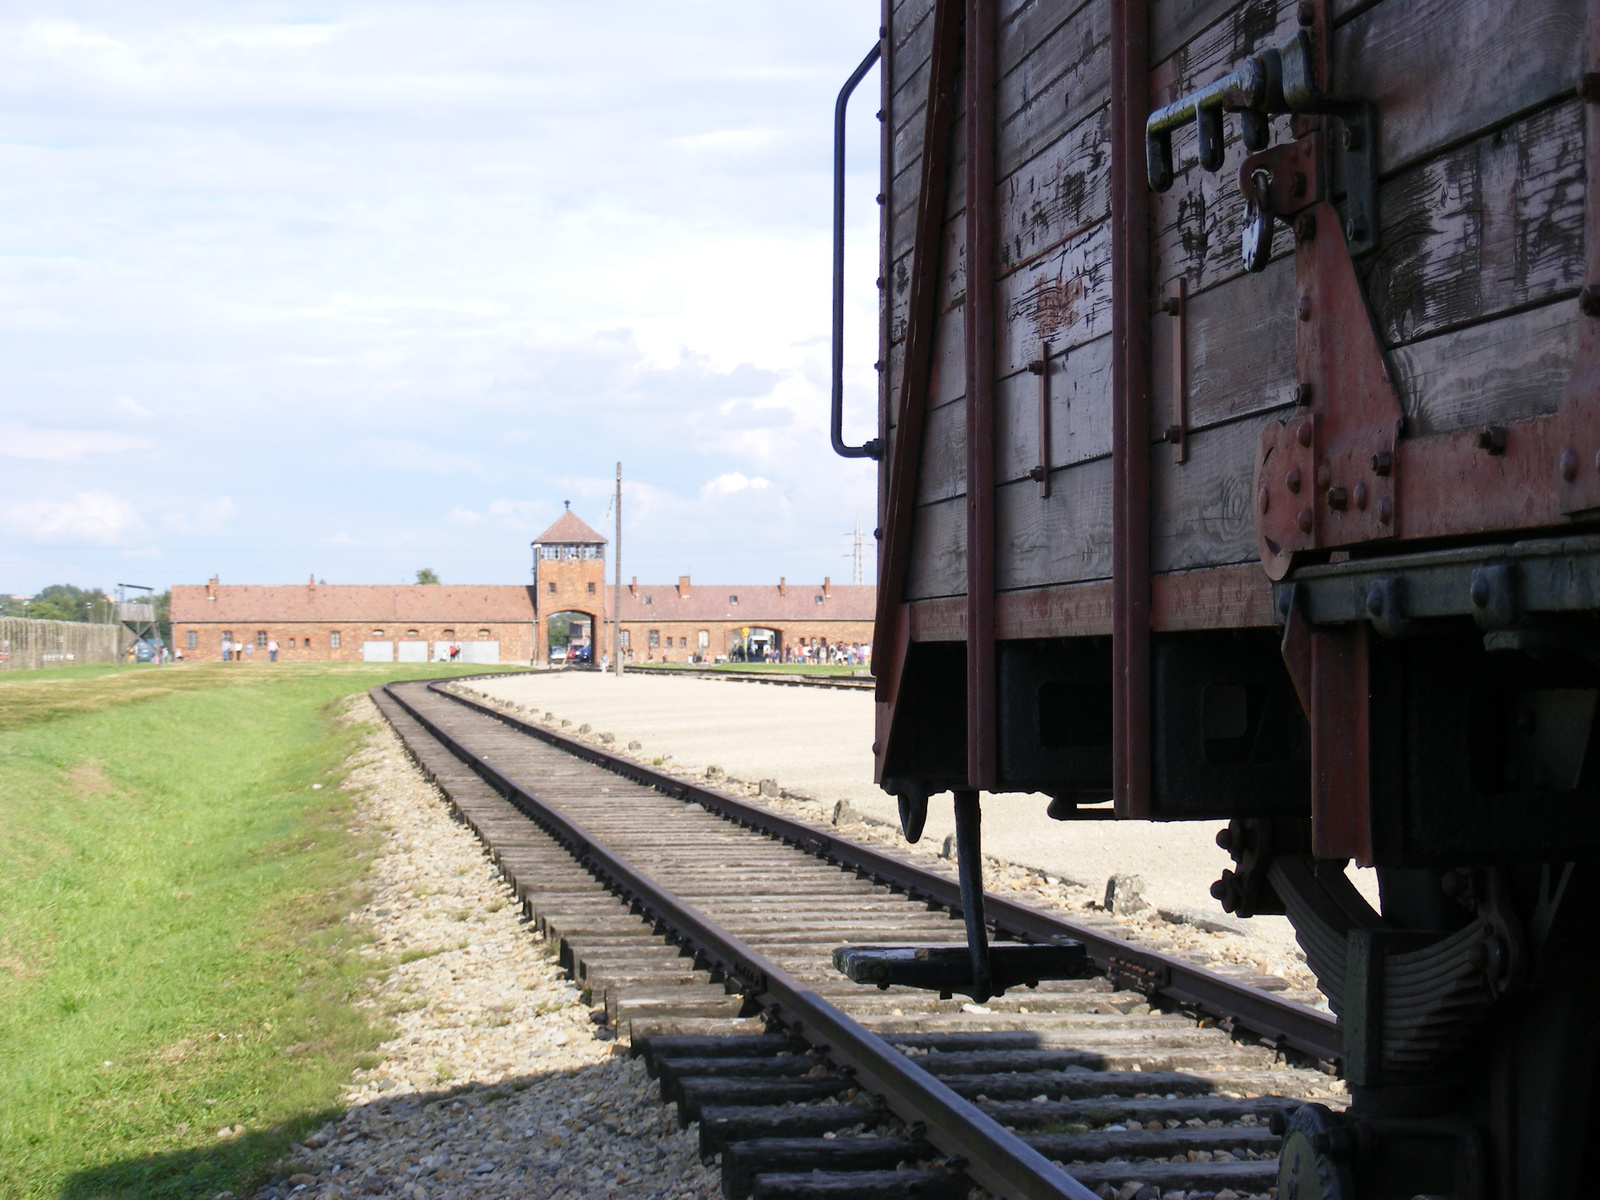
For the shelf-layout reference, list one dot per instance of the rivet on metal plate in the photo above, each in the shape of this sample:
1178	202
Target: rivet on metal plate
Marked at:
1324	476
1263	499
1292	479
1304	308
1567	464
1360	492
1385	509
1303	434
1305	520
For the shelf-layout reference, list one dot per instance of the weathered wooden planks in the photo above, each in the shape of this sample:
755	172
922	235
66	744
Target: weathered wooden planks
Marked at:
1495	372
1444	70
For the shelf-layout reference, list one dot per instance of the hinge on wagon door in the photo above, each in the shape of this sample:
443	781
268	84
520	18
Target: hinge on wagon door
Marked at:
1279	181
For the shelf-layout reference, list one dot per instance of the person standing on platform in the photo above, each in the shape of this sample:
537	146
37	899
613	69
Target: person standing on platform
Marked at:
272	650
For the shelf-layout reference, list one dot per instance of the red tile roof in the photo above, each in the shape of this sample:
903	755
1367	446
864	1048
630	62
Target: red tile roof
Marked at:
569	530
244	603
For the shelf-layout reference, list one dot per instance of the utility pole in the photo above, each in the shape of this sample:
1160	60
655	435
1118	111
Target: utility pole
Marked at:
856	574
616	590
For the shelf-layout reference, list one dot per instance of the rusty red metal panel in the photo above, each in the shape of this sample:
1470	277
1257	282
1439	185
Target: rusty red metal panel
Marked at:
1329	667
1130	421
982	254
1326	476
905	457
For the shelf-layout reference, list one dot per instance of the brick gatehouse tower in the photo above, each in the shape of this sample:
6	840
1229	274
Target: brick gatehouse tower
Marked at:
569	589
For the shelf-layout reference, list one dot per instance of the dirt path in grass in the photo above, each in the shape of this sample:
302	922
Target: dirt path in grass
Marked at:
496	1082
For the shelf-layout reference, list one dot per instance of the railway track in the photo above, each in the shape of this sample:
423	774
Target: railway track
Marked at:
705	927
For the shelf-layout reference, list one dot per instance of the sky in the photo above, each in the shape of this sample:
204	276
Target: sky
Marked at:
352	289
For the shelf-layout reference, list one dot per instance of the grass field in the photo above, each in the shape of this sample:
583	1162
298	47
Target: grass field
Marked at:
173	959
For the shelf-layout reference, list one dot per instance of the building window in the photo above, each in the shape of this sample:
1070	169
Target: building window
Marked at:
625	638
261	639
227	635
483	633
291	643
377	633
411	633
819	599
683	643
733	599
655	637
647	599
449	633
705	639
191	640
308	643
333	639
591	589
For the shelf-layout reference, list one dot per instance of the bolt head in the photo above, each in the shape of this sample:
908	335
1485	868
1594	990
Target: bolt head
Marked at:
1338	498
1352	137
1382	462
1375	601
1305	227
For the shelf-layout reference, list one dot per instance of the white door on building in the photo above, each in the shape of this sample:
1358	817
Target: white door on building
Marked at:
479	652
377	651
413	651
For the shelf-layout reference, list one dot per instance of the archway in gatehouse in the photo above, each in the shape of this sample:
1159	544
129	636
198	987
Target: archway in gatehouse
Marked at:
569	639
755	643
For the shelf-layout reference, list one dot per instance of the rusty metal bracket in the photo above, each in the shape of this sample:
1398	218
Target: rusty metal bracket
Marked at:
1040	473
1176	306
1326	477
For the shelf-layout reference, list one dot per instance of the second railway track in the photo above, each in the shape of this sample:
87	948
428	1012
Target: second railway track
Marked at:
705	926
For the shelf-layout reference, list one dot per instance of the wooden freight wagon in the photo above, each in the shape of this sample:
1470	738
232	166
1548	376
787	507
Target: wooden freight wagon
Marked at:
1240	458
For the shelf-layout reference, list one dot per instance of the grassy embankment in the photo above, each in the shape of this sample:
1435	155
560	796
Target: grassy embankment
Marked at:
173	959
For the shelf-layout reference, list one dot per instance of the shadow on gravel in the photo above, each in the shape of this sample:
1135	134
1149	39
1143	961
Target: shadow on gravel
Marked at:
572	1133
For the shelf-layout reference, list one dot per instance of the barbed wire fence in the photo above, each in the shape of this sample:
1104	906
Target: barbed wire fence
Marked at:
28	645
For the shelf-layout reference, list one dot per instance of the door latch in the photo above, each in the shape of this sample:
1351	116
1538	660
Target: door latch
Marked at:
1266	85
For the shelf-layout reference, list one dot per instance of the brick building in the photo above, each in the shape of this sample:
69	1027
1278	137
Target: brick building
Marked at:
569	604
676	622
316	622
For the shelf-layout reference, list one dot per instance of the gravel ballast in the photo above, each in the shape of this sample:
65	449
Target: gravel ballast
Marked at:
497	1082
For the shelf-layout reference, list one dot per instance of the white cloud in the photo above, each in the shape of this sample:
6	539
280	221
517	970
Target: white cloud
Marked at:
207	516
339	539
65	445
465	516
732	483
146	552
97	517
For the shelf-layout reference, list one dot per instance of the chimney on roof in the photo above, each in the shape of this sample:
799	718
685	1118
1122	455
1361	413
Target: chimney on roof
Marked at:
311	581
633	588
826	581
683	587
782	588
211	588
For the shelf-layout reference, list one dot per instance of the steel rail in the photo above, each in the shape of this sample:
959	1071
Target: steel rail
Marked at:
859	683
1276	1020
994	1157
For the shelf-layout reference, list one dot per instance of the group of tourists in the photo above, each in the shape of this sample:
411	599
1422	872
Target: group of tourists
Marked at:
233	651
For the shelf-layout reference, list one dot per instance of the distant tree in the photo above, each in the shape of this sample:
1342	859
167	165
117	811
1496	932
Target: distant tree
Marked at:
163	603
63	602
427	575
